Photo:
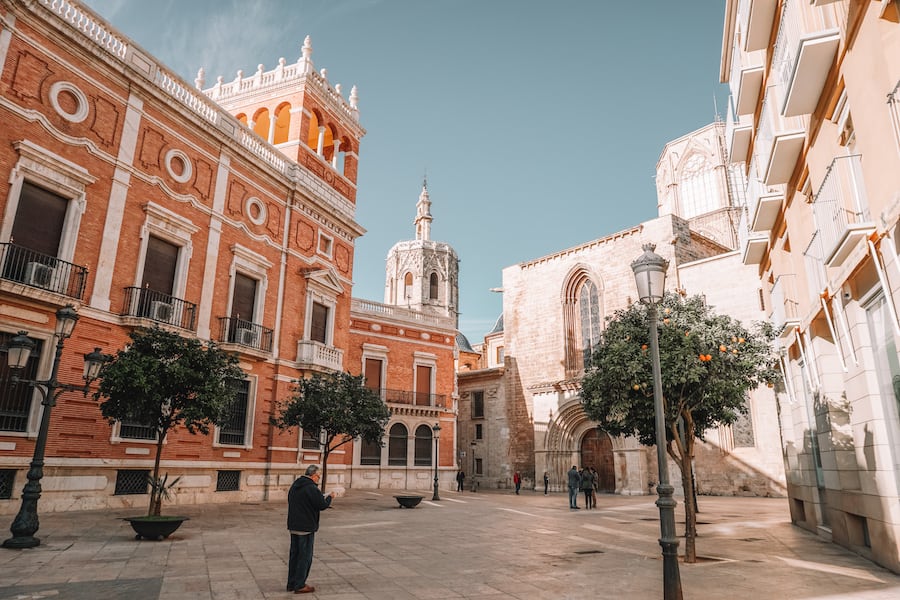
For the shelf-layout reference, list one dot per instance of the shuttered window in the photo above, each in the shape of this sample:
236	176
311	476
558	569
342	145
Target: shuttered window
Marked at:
39	220
318	330
423	385
243	300
373	374
159	266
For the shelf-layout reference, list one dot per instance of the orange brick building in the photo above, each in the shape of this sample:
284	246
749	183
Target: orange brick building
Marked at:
227	214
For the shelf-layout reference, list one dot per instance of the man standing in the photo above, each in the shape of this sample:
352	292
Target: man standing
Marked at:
517	480
574	487
460	479
546	482
305	502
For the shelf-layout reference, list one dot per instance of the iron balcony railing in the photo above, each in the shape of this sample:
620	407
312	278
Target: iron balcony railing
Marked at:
816	276
412	398
162	308
785	304
245	333
840	205
42	271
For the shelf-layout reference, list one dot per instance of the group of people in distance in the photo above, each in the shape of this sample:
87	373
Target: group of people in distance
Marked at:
587	481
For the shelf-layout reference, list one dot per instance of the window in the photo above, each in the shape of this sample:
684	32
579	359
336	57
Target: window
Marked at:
397	445
478	467
132	481
228	481
886	367
589	315
233	431
136	431
423	446
478	404
373	371
325	244
309	440
160	264
479	431
407	286
698	187
370	453
742	429
242	328
582	319
7	481
318	331
15	400
433	286
39	221
500	355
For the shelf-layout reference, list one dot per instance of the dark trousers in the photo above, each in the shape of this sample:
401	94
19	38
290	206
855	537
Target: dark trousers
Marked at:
546	485
300	560
459	485
589	498
518	487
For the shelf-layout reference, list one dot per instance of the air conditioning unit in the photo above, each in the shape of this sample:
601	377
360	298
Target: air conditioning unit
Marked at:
161	311
247	337
39	274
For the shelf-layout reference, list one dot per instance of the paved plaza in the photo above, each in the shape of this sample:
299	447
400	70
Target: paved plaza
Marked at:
489	545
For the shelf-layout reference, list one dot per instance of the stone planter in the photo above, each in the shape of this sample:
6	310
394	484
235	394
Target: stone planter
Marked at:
409	501
155	528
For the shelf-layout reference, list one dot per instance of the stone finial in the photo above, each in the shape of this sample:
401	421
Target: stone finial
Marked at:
354	98
337	88
282	62
219	80
240	75
259	69
200	81
306	51
324	74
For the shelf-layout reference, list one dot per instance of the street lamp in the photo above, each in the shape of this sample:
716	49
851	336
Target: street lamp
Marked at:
437	435
25	525
650	276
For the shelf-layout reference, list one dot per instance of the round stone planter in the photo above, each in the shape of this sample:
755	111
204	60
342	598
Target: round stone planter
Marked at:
409	501
155	528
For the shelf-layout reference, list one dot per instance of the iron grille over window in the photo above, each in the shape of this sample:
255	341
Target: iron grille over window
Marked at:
370	453
397	446
132	481
228	481
15	400
7	481
234	430
136	431
309	440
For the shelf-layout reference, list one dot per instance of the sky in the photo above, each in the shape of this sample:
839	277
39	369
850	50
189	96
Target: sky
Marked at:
538	124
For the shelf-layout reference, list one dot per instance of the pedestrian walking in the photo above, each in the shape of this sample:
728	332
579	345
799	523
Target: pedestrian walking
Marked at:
596	484
574	482
517	479
305	502
546	482
460	478
587	486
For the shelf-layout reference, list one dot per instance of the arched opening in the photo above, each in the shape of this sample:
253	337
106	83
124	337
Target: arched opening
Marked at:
261	123
242	118
397	440
407	286
433	286
282	124
596	451
422	453
582	319
312	139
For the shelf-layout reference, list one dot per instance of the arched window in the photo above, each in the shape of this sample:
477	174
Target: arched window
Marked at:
433	286
582	318
423	446
312	139
261	123
699	188
397	441
407	286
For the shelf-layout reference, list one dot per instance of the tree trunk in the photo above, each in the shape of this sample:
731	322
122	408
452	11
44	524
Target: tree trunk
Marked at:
155	497
325	452
690	512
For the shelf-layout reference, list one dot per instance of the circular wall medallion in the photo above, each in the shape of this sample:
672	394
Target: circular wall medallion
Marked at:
69	102
255	210
178	165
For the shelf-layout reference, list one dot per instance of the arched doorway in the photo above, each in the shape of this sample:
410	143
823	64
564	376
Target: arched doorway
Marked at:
596	451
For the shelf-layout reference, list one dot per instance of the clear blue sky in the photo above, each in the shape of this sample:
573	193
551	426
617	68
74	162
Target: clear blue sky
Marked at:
539	123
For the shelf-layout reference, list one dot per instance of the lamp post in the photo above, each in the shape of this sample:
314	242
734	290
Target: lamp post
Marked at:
650	276
437	435
26	524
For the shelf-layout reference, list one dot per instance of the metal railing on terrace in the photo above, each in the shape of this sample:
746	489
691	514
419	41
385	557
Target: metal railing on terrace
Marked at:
245	333
816	275
785	304
400	312
41	271
412	398
840	205
145	303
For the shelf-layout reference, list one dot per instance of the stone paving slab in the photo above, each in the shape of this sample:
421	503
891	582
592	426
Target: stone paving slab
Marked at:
489	545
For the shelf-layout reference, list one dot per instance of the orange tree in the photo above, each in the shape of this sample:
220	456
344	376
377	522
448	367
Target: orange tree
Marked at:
708	364
337	404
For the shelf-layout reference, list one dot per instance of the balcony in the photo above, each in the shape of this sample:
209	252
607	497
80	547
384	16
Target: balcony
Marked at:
41	271
841	210
805	48
410	398
738	133
785	305
745	80
778	141
816	277
316	355
144	303
763	203
753	245
756	18
245	334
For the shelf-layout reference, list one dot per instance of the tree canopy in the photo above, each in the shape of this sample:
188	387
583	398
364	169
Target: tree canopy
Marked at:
338	404
162	380
708	365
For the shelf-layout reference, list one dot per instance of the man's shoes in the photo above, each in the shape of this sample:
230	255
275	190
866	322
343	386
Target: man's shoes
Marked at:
306	589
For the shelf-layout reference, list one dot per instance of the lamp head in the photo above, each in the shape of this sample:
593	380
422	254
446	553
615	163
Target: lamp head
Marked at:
66	317
93	362
650	274
19	351
437	430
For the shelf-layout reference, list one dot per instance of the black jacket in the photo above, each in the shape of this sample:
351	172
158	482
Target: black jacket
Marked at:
305	502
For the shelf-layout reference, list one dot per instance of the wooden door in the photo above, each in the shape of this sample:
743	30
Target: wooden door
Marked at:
596	451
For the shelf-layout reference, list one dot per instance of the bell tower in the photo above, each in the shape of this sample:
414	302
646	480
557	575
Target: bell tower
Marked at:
422	274
300	113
